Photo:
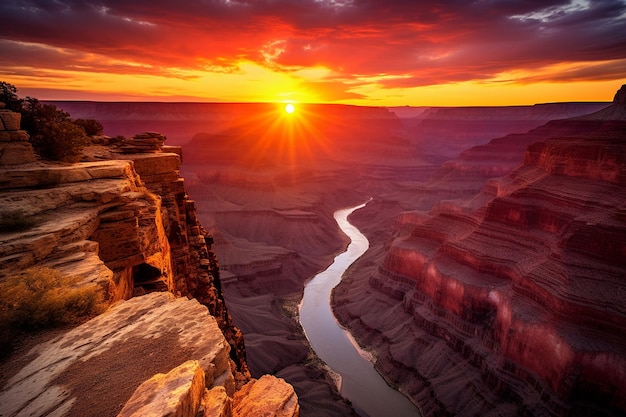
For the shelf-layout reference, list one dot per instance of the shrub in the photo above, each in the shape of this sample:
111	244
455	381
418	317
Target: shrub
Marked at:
63	141
92	127
42	297
15	221
53	134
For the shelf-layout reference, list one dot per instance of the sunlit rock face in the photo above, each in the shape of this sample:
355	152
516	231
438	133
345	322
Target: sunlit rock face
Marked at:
153	355
185	391
267	396
510	302
121	221
114	353
99	216
65	204
14	145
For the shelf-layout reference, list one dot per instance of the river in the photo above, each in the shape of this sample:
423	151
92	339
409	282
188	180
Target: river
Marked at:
360	383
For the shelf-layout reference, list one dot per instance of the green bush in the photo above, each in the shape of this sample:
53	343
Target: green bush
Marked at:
62	141
15	221
42	297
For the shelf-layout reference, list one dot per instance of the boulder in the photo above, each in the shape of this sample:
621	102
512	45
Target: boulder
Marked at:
9	120
268	396
177	393
217	403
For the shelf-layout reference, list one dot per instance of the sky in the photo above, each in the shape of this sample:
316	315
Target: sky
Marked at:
364	52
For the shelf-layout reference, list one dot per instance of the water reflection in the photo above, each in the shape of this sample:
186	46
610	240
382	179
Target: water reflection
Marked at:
360	383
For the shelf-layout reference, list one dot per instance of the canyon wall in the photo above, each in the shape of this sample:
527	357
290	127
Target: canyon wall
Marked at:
122	222
507	300
266	186
442	133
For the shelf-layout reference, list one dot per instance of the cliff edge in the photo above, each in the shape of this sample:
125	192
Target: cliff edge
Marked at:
123	223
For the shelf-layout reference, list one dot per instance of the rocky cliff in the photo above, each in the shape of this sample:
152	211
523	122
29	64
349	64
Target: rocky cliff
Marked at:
509	301
154	355
120	221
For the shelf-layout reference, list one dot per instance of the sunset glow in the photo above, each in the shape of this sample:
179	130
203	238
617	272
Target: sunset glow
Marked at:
289	108
370	52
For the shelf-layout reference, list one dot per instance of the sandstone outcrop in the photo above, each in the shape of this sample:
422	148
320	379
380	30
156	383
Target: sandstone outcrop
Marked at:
266	396
125	225
14	146
177	393
183	392
94	368
509	302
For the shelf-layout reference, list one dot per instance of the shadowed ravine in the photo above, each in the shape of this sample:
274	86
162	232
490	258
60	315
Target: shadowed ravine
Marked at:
360	383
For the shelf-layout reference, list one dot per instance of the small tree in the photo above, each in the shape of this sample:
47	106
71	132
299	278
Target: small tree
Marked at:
39	298
52	132
8	96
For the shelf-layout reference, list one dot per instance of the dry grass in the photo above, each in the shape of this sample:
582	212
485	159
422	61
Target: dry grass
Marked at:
41	298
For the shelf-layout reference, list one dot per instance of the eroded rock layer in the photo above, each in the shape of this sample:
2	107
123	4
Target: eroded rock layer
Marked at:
125	224
136	356
509	302
120	221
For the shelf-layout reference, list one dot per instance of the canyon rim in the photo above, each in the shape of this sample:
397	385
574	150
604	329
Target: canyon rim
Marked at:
493	284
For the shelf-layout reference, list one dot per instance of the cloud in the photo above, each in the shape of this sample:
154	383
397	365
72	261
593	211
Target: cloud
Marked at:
329	90
420	42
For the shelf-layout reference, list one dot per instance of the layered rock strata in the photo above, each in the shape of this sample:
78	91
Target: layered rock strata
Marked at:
14	146
184	392
509	302
127	226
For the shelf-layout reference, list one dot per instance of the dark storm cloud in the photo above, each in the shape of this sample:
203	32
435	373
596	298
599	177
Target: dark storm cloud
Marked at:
422	42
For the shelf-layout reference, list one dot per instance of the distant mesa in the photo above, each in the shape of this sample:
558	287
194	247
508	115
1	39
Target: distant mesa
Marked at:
620	95
616	111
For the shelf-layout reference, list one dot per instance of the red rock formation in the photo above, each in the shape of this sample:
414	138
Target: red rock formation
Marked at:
126	225
182	260
512	302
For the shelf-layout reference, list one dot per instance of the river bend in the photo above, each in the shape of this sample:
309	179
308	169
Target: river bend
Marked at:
360	383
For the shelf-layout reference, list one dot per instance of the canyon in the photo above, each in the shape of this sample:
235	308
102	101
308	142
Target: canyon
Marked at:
502	291
493	278
121	222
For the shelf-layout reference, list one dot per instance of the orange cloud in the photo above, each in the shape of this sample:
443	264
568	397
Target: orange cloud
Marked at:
371	49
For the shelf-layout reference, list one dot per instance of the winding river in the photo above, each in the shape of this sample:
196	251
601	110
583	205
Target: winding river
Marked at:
360	383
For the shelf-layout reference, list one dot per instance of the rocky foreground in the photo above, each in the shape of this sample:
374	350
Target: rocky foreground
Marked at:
123	223
507	300
137	356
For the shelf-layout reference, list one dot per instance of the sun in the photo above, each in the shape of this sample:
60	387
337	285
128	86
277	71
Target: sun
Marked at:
290	108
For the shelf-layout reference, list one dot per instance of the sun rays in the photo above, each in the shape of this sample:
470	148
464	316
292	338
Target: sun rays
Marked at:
285	135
